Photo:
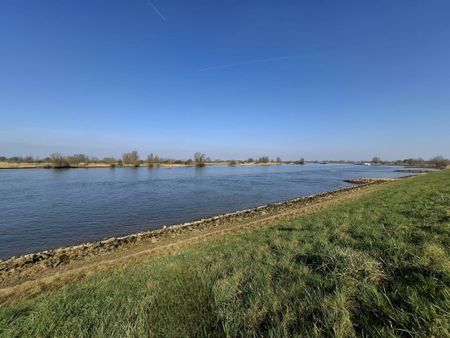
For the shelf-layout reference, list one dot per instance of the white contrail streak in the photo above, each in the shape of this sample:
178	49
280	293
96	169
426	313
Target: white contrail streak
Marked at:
156	10
247	63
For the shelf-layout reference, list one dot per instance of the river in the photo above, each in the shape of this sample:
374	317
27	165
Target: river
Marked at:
42	209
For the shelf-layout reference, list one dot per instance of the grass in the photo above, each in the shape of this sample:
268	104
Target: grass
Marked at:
375	266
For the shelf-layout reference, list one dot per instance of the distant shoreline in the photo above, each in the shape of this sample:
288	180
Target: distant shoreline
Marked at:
46	165
416	168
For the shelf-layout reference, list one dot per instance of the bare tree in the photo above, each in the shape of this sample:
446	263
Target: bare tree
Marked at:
153	160
58	160
131	158
199	159
279	160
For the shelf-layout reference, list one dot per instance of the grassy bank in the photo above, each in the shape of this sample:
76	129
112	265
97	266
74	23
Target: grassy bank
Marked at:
375	266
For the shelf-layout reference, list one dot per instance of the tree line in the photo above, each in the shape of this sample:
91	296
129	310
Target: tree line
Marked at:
131	158
434	162
199	159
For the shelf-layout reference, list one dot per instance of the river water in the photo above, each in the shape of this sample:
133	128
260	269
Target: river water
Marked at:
42	209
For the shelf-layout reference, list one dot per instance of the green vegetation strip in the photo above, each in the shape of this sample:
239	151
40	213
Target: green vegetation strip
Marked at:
375	266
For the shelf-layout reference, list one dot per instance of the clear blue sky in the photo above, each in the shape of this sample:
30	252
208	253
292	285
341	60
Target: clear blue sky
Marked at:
234	79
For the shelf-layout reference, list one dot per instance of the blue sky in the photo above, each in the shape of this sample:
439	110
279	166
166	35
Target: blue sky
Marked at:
234	79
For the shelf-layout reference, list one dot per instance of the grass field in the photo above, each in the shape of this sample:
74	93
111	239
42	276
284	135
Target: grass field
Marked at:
375	266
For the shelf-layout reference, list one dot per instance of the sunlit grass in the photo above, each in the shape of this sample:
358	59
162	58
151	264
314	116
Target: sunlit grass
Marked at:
376	266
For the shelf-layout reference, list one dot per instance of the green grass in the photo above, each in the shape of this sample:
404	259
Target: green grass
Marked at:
375	266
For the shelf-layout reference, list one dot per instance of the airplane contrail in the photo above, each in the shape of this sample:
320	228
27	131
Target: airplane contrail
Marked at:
156	10
247	63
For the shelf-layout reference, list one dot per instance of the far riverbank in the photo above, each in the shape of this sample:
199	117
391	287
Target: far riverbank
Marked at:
47	165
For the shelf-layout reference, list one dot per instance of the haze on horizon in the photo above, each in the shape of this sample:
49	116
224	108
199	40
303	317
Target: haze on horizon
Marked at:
235	79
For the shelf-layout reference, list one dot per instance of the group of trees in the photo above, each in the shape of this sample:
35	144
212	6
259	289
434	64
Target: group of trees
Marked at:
435	162
200	159
59	159
131	158
20	159
266	159
153	160
263	159
439	162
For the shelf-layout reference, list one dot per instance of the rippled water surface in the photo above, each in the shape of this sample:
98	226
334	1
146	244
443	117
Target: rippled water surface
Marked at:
42	209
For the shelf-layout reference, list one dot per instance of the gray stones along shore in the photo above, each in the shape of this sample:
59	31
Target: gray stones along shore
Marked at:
56	257
414	171
366	180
